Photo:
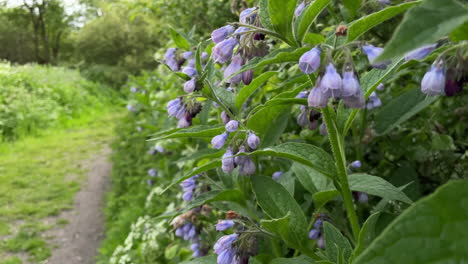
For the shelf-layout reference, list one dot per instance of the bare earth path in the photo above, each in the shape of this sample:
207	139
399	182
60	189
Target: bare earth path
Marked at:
77	242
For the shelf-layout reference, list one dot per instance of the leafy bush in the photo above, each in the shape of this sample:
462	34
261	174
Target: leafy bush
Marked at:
307	163
35	97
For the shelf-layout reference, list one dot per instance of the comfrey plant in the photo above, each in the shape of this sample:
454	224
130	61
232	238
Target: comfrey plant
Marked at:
297	175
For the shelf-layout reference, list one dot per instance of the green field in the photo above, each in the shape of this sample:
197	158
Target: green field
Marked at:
40	176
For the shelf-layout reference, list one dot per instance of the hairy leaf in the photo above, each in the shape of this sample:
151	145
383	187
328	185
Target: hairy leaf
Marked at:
281	16
192	132
312	156
432	230
362	25
425	24
401	109
335	242
307	18
289	221
246	91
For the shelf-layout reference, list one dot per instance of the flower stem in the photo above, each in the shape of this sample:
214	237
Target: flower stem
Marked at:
338	152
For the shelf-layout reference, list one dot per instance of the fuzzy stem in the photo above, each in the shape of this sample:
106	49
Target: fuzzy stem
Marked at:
338	152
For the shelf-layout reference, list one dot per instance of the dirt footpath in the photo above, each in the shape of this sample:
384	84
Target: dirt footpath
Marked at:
78	241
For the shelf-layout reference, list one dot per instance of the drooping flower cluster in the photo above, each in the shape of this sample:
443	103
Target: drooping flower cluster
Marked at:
317	232
226	249
330	85
227	38
184	112
186	228
224	225
188	186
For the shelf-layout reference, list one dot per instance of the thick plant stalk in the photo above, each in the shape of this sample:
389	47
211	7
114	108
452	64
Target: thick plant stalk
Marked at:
339	155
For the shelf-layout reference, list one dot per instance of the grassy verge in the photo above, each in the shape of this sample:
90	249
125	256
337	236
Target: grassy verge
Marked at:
39	176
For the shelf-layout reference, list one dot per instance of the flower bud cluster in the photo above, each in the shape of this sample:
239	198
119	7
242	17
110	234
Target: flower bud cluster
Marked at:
227	38
188	186
317	232
226	249
330	84
184	112
308	117
186	229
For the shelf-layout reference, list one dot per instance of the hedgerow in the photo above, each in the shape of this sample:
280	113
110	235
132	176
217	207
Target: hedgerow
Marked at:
294	136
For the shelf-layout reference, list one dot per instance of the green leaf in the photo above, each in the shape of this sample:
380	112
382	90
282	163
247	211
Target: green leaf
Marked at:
246	91
276	56
280	227
401	109
204	153
231	195
366	235
224	96
334	242
377	186
307	18
369	184
432	230
228	195
179	39
191	132
313	39
425	24
312	180
369	83
281	16
362	25
460	33
371	79
205	167
323	197
297	260
352	6
269	123
264	15
312	156
288	181
202	260
289	221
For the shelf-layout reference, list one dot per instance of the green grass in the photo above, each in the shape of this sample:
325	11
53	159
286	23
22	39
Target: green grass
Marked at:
39	176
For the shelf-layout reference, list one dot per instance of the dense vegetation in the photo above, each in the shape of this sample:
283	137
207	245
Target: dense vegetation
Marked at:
258	131
35	97
334	180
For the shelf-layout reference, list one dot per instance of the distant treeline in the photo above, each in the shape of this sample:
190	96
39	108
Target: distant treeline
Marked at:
107	40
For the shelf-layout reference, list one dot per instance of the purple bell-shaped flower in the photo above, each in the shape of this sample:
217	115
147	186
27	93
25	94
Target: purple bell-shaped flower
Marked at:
372	53
331	81
309	62
420	53
299	9
253	141
433	82
221	34
234	67
219	140
222	52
